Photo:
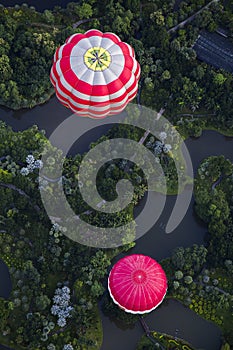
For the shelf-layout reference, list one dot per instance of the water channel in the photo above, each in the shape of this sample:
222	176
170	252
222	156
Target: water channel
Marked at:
171	317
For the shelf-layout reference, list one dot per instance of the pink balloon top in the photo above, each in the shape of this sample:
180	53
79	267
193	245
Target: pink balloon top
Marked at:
137	284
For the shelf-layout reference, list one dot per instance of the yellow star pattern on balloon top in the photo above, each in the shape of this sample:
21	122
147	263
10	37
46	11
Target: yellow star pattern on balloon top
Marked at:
97	58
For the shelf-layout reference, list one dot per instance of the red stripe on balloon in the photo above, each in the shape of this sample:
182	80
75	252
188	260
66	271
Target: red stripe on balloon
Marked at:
67	97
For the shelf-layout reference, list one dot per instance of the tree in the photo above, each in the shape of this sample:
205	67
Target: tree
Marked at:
178	275
178	257
96	289
83	11
14	96
61	305
42	301
169	21
149	84
97	267
175	44
219	79
158	17
4	47
4	313
133	5
51	346
188	279
48	17
166	75
189	259
68	347
198	72
5	68
122	23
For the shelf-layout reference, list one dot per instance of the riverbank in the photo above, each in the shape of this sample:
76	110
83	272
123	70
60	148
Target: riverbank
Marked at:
31	104
193	124
167	341
225	132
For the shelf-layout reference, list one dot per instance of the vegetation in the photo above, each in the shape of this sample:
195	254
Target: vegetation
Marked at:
202	291
172	76
201	277
213	188
111	310
25	58
44	264
167	341
56	283
37	253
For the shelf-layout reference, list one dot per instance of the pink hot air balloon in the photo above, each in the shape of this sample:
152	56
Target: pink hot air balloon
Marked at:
137	284
95	74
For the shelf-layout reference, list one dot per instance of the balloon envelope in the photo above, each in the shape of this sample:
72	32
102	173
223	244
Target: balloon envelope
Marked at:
95	74
137	283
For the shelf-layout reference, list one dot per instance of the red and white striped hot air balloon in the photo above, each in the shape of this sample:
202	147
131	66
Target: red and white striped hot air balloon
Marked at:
137	284
95	74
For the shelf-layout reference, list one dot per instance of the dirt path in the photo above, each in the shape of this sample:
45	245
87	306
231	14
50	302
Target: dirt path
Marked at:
81	21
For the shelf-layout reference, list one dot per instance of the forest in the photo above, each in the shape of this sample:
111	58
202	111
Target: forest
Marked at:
172	76
56	283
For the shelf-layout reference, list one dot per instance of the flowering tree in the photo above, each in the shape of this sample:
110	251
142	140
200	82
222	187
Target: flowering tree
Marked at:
68	347
61	307
32	164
